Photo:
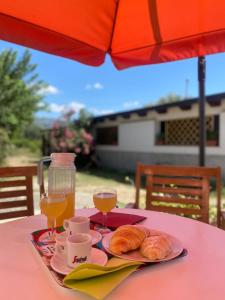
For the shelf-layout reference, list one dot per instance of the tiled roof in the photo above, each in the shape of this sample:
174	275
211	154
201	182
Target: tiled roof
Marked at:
213	100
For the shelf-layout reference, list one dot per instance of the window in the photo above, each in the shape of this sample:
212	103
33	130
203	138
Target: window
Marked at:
186	131
107	135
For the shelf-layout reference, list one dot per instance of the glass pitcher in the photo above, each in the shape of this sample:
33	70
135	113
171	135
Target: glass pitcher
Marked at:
61	179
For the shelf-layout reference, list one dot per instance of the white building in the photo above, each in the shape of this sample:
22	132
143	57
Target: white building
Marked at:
127	137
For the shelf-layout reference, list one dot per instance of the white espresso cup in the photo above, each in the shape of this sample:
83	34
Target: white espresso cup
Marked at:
78	249
60	245
77	225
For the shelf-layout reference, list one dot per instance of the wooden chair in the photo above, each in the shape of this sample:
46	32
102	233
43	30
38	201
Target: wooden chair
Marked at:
16	191
182	190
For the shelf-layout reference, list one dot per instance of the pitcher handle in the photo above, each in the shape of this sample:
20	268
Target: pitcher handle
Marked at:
40	173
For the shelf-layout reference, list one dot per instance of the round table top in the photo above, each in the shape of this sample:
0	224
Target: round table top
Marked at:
199	275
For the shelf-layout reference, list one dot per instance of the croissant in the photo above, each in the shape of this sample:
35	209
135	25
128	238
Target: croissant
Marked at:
155	247
127	238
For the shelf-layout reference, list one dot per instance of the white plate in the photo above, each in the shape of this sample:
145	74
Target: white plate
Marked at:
59	264
176	249
96	236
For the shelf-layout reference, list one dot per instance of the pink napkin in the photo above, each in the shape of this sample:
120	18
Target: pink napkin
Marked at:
115	220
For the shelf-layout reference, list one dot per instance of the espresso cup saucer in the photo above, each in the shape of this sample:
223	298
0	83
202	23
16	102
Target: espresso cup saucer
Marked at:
96	236
59	263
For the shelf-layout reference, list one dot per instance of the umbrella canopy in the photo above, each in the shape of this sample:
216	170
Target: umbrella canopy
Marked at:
151	31
75	29
133	32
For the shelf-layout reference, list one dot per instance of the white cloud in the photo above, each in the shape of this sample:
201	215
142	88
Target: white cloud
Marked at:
60	108
96	86
50	89
131	104
99	112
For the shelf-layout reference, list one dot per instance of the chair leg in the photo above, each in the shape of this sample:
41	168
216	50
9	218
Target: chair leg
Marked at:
222	223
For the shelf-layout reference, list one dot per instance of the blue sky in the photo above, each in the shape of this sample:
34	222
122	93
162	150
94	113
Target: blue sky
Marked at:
105	90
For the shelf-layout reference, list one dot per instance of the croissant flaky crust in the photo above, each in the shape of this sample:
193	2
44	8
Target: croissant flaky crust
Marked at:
127	238
156	247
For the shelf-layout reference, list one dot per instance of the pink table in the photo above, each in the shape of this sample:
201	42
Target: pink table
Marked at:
200	275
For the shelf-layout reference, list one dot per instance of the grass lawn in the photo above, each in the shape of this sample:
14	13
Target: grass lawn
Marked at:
87	181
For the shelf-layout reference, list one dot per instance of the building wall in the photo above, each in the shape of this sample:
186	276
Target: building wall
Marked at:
126	161
136	136
137	141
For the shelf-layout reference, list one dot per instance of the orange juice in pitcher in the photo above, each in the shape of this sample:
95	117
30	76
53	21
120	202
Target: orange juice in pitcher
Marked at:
69	211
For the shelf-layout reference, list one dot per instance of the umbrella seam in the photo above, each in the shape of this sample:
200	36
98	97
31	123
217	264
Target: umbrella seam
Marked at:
113	27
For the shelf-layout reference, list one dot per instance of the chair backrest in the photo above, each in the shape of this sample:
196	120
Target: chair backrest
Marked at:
16	191
182	190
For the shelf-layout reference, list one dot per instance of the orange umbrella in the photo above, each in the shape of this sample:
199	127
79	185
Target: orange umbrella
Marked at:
133	32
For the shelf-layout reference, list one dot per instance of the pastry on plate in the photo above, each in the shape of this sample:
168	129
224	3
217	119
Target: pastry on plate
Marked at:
156	247
127	238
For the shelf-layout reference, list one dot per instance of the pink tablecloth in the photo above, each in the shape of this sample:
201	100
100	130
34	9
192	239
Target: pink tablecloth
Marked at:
199	275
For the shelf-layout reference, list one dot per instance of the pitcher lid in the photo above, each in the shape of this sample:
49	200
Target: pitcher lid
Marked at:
63	157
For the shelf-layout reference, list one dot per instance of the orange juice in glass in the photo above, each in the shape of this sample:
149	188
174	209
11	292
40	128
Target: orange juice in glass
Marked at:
53	206
105	200
53	209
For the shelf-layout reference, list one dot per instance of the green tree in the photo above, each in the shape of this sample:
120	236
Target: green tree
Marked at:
172	97
4	142
84	119
20	92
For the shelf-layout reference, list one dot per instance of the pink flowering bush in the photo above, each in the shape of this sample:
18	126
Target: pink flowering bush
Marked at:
69	136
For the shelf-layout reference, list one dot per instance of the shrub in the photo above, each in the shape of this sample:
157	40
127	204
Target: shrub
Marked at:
73	137
211	135
4	144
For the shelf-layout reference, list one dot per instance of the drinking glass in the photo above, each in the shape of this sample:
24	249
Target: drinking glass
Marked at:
52	206
105	200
